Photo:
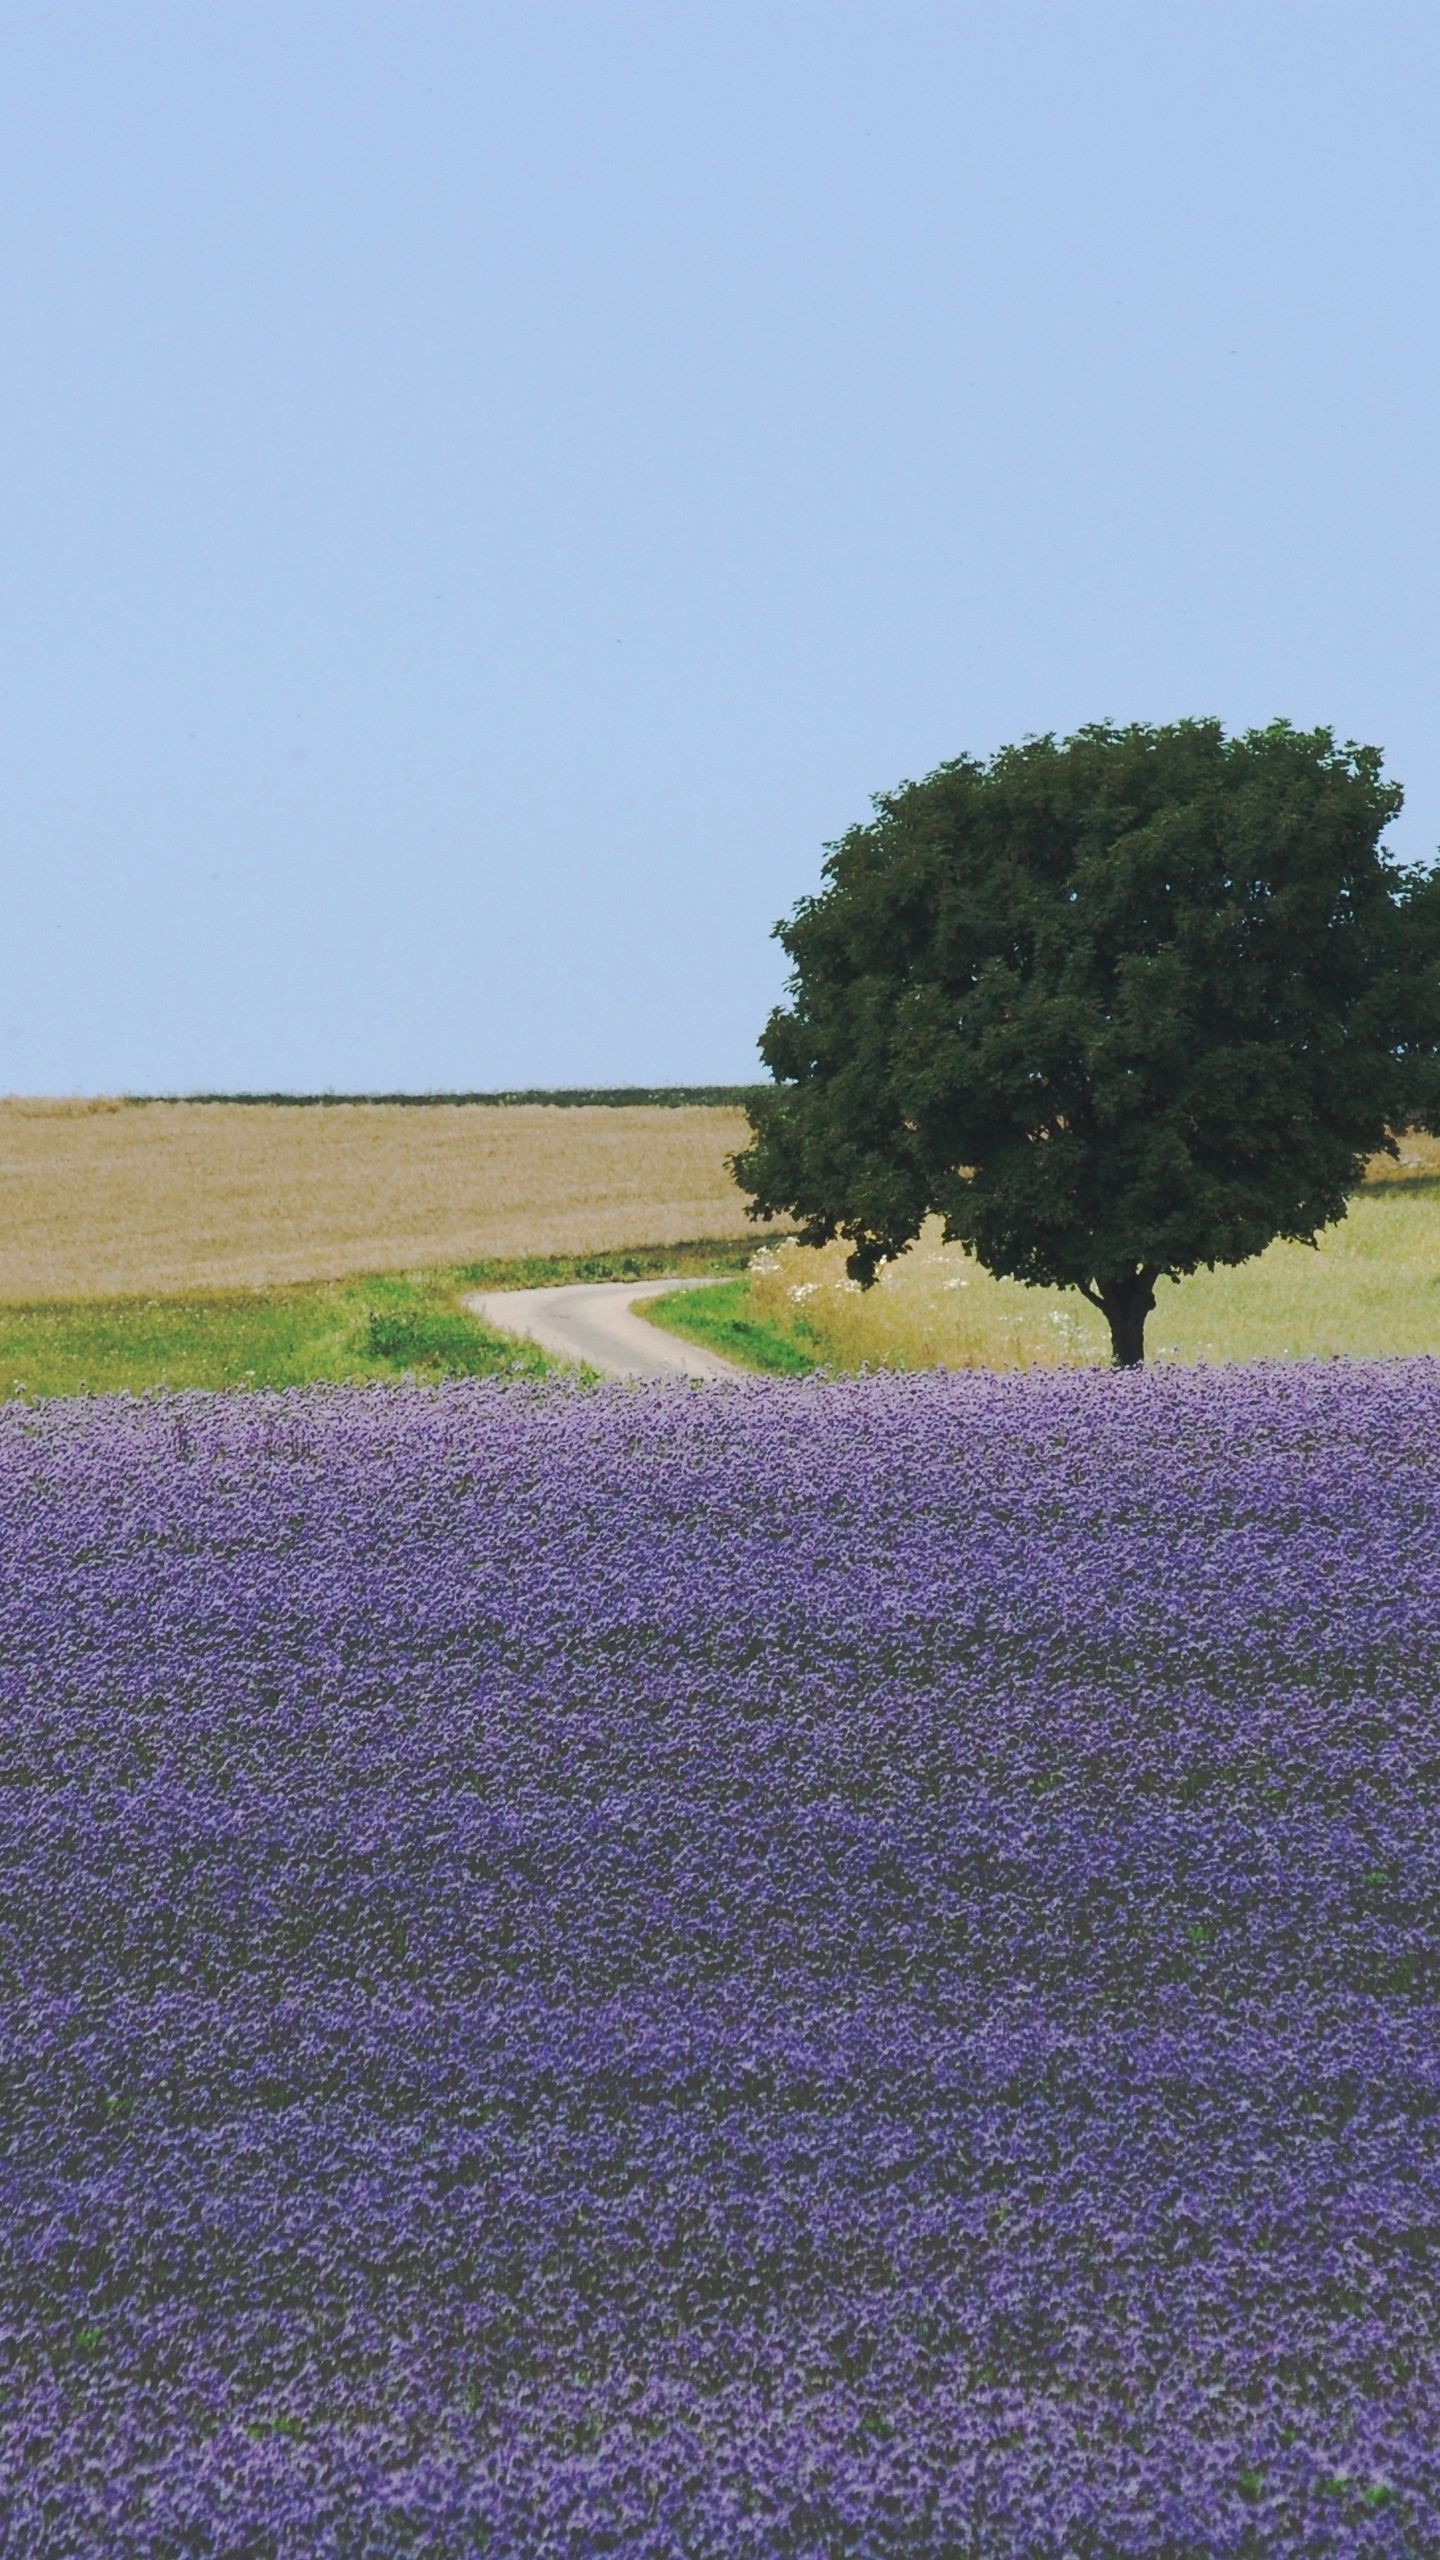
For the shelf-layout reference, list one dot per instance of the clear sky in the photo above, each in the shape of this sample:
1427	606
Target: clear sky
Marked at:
488	490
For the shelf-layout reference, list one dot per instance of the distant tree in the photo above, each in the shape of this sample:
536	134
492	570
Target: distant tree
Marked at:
1114	1005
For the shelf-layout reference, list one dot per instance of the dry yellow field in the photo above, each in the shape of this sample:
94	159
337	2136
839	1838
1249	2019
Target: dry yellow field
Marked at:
103	1198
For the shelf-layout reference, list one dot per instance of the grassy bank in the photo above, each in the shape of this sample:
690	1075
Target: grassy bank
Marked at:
1370	1289
725	1319
396	1324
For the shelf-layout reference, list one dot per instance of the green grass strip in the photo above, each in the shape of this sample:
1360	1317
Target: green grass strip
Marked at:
721	1319
392	1325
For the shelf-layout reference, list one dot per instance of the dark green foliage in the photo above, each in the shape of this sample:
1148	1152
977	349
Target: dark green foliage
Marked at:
1115	1006
438	1341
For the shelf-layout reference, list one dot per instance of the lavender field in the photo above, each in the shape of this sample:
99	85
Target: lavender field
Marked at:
815	1969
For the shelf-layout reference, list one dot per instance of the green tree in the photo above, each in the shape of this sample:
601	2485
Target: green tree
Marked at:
1114	1005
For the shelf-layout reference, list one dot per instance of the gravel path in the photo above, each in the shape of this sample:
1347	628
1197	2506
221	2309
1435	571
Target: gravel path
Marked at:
591	1321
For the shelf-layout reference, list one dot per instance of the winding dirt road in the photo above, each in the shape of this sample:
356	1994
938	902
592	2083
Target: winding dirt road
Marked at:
591	1321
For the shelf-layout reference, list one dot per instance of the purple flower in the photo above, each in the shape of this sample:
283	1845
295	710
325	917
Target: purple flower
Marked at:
809	1969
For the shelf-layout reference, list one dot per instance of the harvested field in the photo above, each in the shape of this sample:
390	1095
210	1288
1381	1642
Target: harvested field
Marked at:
103	1198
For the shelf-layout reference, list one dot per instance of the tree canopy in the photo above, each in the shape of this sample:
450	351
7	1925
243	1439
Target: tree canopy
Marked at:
1114	1006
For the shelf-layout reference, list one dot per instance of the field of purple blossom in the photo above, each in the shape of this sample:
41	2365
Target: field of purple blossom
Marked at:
815	1968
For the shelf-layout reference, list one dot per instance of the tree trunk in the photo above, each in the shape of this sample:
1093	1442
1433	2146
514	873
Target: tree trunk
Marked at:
1126	1304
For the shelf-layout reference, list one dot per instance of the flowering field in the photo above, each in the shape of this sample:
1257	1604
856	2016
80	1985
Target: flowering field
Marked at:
800	1969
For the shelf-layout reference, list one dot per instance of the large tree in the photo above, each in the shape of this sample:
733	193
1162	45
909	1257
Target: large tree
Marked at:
1114	1005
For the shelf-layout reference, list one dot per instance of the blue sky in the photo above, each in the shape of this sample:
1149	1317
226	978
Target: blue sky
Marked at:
487	491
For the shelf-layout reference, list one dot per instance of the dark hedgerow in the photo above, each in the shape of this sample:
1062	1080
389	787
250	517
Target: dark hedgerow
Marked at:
623	1097
801	1969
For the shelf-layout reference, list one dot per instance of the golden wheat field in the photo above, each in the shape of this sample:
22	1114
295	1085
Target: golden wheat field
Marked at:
104	1198
1368	1289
